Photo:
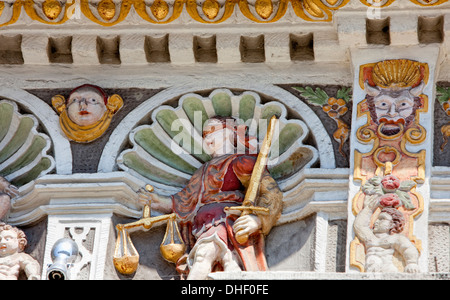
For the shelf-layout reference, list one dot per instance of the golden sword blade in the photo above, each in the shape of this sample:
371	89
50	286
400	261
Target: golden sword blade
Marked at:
255	179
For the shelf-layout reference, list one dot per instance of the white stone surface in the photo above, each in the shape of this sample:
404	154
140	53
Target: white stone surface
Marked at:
34	49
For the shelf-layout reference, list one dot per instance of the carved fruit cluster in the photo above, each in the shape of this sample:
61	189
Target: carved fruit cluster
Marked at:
392	191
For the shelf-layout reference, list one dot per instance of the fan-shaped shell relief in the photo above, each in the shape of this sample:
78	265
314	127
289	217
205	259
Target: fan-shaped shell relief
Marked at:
23	149
170	149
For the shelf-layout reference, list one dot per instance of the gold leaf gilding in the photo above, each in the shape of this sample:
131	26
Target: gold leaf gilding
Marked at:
51	8
332	2
264	8
211	8
107	9
160	9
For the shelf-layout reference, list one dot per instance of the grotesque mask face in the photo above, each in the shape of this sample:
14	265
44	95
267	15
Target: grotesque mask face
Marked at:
86	106
393	109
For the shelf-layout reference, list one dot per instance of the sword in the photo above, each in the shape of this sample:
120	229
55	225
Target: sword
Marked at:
255	180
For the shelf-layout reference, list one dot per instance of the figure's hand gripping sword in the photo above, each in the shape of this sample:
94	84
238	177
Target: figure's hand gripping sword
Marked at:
255	180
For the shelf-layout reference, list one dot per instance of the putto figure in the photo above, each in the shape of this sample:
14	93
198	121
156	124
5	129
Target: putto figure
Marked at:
12	257
212	233
384	238
87	113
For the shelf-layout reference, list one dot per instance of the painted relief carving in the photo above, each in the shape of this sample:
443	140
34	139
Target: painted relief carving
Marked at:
389	172
109	12
23	149
384	3
334	107
12	258
87	112
385	237
222	229
9	12
106	12
443	97
50	11
385	195
225	197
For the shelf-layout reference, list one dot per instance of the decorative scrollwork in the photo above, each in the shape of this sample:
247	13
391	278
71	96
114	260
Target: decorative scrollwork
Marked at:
263	10
317	10
159	11
49	11
210	11
106	12
112	12
384	3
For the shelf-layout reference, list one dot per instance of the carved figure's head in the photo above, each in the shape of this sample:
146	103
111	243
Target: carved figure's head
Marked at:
87	112
225	135
86	104
219	135
12	240
393	109
393	89
390	220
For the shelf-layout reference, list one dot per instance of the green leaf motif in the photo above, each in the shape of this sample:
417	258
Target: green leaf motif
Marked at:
344	93
371	189
442	94
406	199
318	97
406	185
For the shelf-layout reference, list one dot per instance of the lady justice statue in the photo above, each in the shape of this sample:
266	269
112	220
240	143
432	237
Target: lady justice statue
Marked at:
222	228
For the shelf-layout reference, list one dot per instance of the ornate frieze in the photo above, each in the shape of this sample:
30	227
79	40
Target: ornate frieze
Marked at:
384	3
112	12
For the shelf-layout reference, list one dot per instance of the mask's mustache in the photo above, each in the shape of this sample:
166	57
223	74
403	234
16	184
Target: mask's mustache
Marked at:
390	121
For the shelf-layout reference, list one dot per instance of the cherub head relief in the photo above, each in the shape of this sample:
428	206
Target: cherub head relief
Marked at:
393	89
87	112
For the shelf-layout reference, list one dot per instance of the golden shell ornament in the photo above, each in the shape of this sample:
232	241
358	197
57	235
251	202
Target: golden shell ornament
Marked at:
400	73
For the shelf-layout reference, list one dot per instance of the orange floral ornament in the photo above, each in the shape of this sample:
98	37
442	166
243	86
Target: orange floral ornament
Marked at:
335	107
446	107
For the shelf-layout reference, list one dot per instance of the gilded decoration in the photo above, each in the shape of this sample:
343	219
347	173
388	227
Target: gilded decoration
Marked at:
87	113
384	3
389	173
109	13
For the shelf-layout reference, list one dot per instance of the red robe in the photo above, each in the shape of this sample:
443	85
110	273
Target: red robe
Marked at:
200	206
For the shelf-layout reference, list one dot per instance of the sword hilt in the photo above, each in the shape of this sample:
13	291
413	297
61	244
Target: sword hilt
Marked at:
246	210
